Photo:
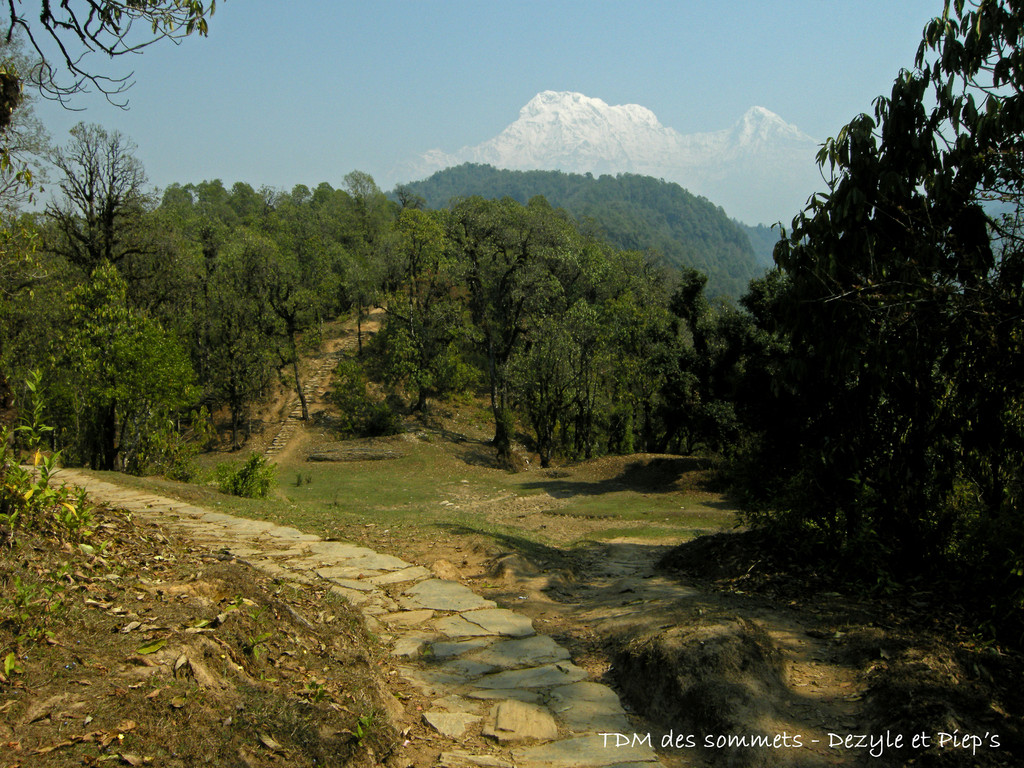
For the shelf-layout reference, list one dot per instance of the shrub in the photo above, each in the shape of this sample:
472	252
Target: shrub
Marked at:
252	480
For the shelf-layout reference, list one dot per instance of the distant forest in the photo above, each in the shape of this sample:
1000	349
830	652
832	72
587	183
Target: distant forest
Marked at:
632	212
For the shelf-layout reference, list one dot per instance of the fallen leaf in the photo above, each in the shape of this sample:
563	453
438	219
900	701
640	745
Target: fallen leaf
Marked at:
269	743
154	694
153	647
131	759
130	626
178	702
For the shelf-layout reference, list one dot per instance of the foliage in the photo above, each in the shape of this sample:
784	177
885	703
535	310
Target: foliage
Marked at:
116	375
98	218
360	414
28	499
111	28
896	438
253	479
631	212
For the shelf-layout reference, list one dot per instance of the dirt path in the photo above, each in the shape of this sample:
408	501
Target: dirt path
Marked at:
500	693
584	623
315	385
752	668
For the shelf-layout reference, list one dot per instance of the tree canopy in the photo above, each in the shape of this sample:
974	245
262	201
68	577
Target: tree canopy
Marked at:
894	432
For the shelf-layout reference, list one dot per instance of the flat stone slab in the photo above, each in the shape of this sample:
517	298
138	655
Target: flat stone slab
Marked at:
378	562
442	595
356	584
398	577
465	667
408	618
589	707
410	646
338	550
582	752
501	621
526	652
456	626
450	724
456	703
343	572
544	676
447	649
532	697
289	534
432	682
512	720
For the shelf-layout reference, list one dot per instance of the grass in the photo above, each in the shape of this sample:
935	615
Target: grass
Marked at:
433	488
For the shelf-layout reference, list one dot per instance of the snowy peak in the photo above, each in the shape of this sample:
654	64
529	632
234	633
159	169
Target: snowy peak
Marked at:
760	126
762	169
571	107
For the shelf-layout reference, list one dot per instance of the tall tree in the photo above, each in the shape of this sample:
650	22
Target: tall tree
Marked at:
901	303
99	217
510	254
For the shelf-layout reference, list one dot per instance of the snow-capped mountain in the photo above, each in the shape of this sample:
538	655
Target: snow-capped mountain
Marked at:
761	169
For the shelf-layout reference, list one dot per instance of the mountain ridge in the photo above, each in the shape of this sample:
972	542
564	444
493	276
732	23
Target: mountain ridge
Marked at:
630	211
761	169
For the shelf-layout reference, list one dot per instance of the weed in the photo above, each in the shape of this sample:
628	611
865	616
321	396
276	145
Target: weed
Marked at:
252	645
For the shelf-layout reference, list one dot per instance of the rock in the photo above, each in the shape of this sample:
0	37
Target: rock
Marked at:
397	577
443	569
526	652
588	707
512	720
543	676
467	760
450	724
500	621
445	650
443	595
407	618
582	752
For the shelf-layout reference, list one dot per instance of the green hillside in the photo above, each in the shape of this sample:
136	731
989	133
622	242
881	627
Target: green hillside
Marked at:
631	212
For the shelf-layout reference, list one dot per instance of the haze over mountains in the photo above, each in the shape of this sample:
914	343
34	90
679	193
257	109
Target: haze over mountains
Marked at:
761	170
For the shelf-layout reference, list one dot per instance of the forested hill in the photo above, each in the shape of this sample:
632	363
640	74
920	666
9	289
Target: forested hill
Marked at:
632	212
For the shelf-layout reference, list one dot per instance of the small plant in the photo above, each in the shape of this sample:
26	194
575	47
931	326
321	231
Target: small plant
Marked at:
363	726
252	480
27	498
252	646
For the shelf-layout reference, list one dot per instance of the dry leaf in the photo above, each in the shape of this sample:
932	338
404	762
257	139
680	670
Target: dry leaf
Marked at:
154	694
269	743
153	647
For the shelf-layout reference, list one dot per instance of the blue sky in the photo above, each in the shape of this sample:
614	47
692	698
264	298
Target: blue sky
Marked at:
305	91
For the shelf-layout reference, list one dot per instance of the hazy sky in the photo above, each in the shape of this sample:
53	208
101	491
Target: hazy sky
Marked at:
305	91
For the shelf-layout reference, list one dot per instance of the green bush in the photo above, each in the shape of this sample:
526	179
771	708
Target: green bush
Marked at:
252	480
360	415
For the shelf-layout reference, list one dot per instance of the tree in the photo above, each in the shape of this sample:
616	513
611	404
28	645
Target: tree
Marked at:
104	199
78	30
900	307
116	375
424	315
509	252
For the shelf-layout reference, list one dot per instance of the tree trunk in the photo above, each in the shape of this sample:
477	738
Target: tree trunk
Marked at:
298	382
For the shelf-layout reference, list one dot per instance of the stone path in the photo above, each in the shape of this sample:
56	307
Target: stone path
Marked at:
484	668
313	389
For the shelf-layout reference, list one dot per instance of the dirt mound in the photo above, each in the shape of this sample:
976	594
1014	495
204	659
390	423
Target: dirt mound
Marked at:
644	472
705	679
157	653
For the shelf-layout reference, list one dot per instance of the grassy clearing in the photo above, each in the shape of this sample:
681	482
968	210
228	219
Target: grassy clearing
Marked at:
435	487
